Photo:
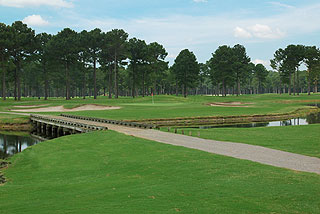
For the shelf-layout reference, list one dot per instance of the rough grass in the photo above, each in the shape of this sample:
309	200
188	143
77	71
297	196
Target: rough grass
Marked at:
13	119
107	172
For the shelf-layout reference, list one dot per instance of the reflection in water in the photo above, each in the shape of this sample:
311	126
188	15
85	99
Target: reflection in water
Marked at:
12	144
310	119
313	118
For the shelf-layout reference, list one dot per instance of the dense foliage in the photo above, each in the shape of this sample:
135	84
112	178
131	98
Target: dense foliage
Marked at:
94	63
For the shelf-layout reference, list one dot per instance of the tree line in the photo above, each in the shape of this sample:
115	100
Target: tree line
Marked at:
93	63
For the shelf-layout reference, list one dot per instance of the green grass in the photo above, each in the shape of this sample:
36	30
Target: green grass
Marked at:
172	106
107	172
297	139
13	119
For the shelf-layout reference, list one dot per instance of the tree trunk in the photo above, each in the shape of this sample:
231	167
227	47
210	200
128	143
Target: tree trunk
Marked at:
15	83
24	94
212	92
4	94
185	90
289	86
239	88
224	88
309	86
298	82
143	84
116	76
177	92
95	78
315	86
110	82
46	83
67	82
84	85
18	81
133	81
294	83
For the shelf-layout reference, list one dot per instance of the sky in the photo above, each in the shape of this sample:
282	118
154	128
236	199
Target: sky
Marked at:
198	25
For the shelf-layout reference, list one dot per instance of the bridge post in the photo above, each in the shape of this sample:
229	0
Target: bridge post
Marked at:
48	131
34	126
44	129
66	132
73	131
54	131
38	128
59	132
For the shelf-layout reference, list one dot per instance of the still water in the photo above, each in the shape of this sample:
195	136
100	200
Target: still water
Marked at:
12	144
309	119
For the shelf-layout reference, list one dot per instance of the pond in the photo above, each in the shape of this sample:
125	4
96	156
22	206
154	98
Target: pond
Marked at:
309	119
11	144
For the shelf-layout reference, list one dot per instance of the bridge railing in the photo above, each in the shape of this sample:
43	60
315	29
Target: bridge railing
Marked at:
82	126
115	122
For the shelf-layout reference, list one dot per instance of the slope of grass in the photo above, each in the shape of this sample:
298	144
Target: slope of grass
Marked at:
107	172
297	139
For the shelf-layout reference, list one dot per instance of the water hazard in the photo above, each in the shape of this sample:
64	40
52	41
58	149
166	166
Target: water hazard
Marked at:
309	119
11	144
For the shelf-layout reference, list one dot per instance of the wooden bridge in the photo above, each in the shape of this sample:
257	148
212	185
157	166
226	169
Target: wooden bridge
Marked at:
48	126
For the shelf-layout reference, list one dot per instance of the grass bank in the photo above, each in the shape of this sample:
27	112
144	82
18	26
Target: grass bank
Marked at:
14	123
107	172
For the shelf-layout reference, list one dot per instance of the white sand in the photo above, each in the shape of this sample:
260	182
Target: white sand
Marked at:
89	107
230	104
32	106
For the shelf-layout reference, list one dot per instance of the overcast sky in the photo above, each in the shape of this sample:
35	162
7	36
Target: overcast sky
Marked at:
199	25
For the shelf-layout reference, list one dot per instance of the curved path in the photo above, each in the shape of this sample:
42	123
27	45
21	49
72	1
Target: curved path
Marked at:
237	150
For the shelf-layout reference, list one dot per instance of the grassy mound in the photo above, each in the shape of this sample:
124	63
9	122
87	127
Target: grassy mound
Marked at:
107	172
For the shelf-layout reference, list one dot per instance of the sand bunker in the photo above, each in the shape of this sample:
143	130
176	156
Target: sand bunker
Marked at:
230	104
32	106
89	107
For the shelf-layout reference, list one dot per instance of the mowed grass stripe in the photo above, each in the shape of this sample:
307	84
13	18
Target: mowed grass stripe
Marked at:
108	172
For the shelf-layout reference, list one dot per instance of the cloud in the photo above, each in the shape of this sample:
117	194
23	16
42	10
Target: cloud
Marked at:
241	33
279	4
35	3
35	20
259	31
266	32
200	1
260	61
203	34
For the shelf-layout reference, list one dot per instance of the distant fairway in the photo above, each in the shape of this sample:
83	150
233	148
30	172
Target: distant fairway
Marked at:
153	104
172	106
